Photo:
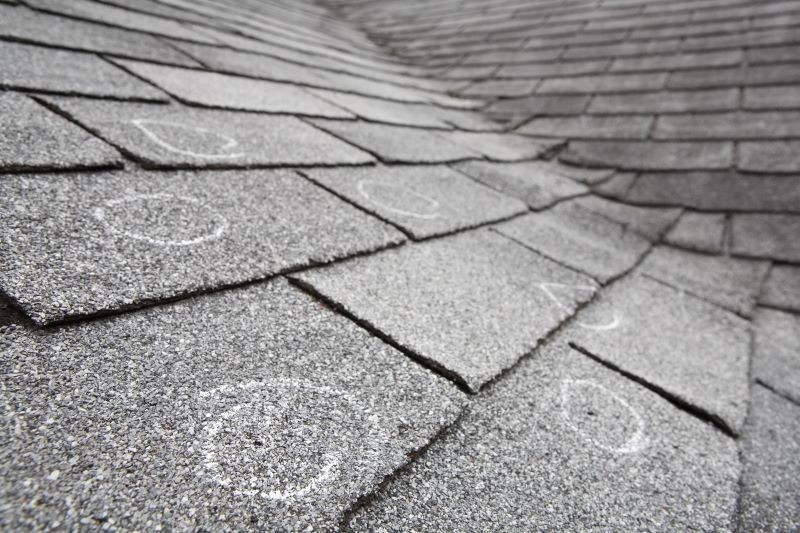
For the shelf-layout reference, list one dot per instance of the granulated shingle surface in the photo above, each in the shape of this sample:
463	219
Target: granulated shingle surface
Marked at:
630	345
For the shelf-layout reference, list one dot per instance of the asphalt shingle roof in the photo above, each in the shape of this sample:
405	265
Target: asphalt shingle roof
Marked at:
400	264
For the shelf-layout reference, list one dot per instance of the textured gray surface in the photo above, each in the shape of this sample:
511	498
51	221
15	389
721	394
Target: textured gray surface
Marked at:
254	409
691	350
766	235
535	183
579	238
501	147
703	232
212	89
651	222
726	281
770	499
25	24
473	317
88	243
178	136
33	138
37	68
776	361
782	288
422	200
594	451
397	144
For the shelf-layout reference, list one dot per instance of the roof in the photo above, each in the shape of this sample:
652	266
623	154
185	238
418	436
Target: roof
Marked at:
400	265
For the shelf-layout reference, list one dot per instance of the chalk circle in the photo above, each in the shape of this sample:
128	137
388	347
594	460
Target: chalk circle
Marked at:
605	417
162	219
614	322
151	127
283	439
387	195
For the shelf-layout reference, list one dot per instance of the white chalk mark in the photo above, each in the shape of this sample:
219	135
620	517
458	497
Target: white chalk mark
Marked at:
230	142
614	323
221	224
433	204
635	443
211	460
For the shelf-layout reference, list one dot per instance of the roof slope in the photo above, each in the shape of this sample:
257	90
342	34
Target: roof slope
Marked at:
454	265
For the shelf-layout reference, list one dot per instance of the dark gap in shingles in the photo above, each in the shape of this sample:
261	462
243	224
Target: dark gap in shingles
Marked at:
776	392
388	339
698	412
411	458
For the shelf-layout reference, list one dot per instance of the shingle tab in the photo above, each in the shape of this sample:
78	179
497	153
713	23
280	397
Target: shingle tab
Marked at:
776	362
650	155
181	416
579	238
89	243
397	144
726	281
593	450
33	138
728	126
774	156
212	89
666	102
470	318
38	68
782	288
24	24
178	136
422	200
589	127
538	184
766	235
703	232
691	350
770	450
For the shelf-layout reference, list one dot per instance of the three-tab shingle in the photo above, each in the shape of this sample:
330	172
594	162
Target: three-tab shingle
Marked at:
90	243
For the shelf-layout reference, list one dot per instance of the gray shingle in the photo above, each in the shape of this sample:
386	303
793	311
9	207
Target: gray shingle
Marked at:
45	69
124	18
729	191
778	97
24	24
471	318
539	105
651	222
728	126
181	416
766	235
726	281
604	83
178	136
699	231
383	110
89	243
33	138
423	200
589	127
397	144
775	156
678	61
726	77
782	288
501	146
770	451
650	155
593	451
691	350
537	184
666	102
579	238
777	352
219	90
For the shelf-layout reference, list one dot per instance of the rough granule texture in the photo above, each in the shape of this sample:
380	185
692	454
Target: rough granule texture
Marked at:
593	451
255	409
87	243
472	318
685	347
33	138
424	201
